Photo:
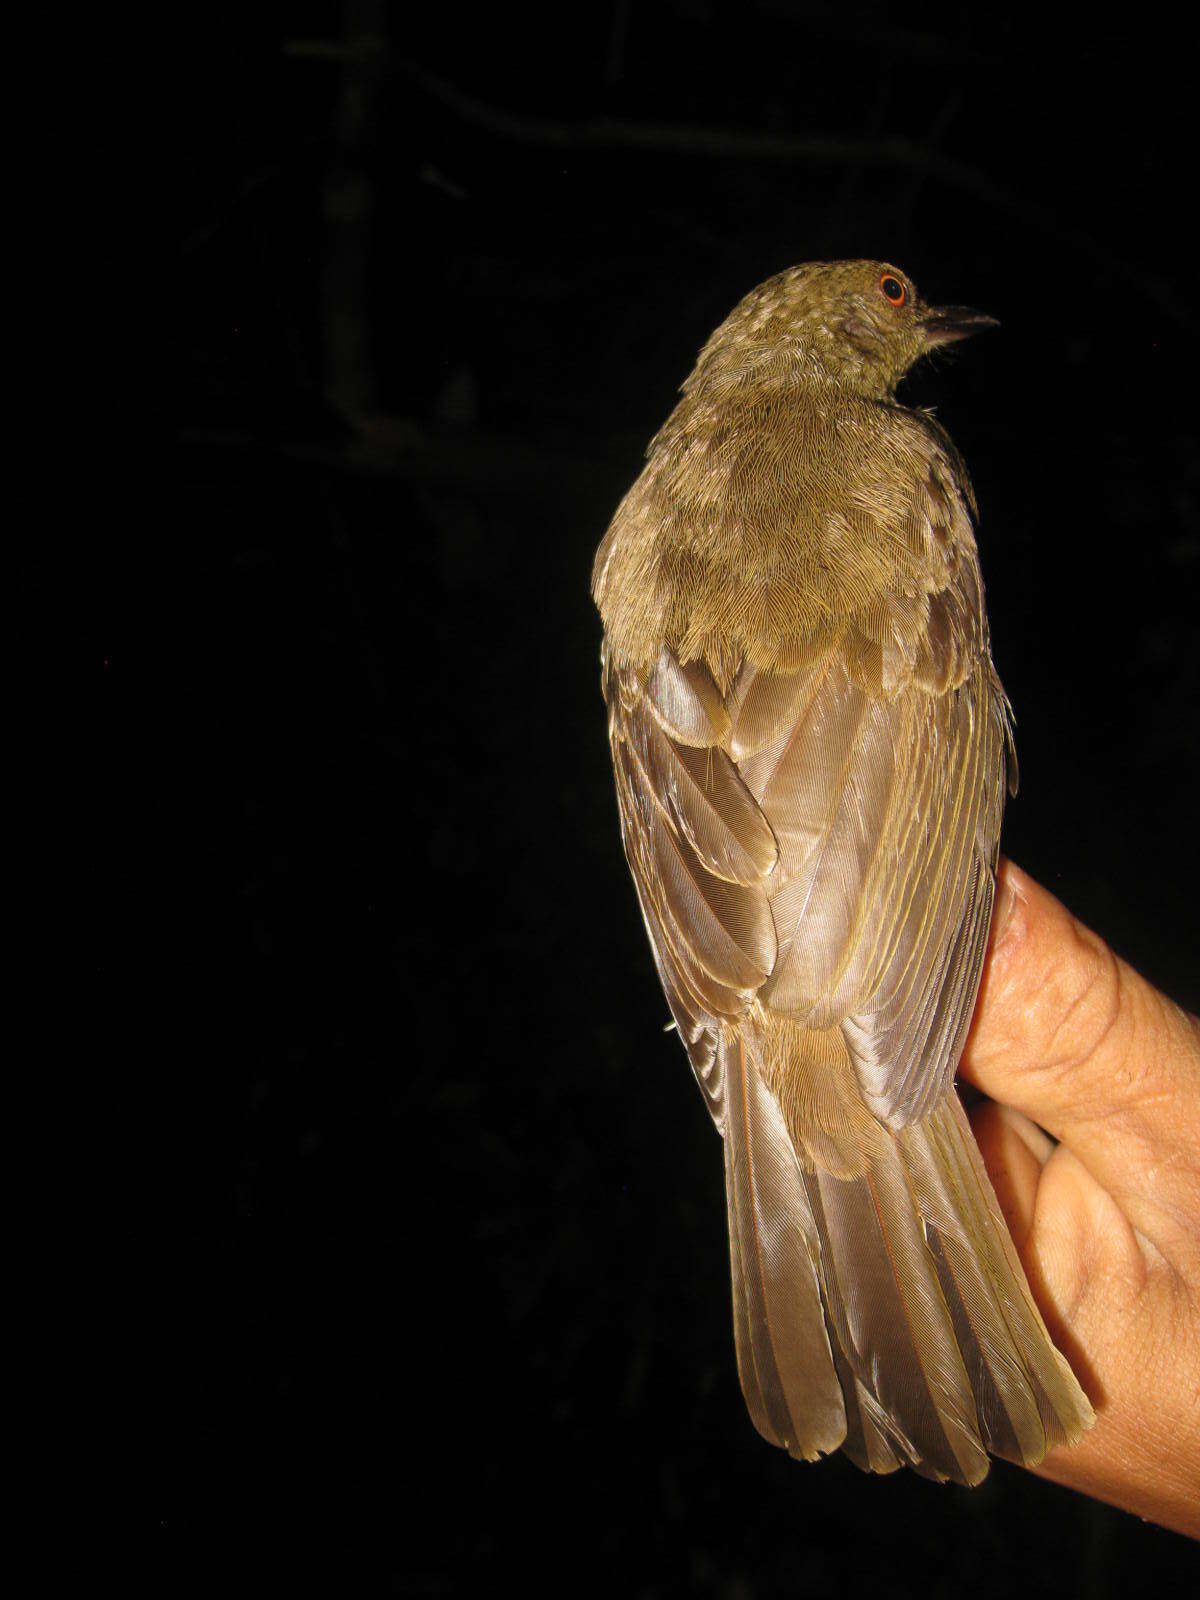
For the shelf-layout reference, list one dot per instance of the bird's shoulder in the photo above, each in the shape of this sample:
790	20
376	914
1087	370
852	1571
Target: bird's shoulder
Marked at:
765	524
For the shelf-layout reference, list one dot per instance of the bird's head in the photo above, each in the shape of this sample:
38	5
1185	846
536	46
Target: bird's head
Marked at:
857	324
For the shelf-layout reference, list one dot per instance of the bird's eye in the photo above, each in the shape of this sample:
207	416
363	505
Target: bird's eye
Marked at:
892	289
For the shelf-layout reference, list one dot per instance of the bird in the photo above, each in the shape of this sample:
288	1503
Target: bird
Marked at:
811	749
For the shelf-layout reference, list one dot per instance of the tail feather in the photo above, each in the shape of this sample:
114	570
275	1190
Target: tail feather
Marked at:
871	1440
883	1311
880	1435
1030	1398
883	1296
784	1359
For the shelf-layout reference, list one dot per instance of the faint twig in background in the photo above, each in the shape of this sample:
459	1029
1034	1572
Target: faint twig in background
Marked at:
348	202
618	34
938	129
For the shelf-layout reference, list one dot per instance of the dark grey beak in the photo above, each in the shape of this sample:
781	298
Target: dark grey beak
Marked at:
945	324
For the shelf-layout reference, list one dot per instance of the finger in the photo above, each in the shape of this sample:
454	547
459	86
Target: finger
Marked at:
1122	1319
1014	1151
1068	1034
1114	1311
1053	1208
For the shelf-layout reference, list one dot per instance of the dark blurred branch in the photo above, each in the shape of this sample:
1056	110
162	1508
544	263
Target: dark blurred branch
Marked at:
736	144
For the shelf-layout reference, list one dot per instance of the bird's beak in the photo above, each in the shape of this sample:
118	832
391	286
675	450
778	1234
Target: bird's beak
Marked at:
945	324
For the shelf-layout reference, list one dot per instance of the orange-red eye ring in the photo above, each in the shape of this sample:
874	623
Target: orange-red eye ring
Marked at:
892	290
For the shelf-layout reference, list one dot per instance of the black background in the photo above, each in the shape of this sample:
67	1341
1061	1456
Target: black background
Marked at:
444	1273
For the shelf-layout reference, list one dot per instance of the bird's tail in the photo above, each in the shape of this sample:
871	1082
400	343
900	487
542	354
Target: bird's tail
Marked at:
879	1304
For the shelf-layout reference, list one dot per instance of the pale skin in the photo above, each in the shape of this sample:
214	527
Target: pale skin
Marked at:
1069	1039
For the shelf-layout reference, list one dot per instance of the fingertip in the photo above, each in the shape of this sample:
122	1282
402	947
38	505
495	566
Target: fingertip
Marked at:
1036	1140
1013	1150
985	1042
1020	913
1032	974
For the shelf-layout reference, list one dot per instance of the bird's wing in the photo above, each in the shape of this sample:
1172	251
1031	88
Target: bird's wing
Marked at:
698	846
702	855
887	812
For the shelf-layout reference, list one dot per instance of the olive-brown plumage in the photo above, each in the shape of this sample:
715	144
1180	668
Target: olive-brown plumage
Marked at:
810	746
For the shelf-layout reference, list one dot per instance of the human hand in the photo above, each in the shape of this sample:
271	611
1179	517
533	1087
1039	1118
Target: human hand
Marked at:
1069	1039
